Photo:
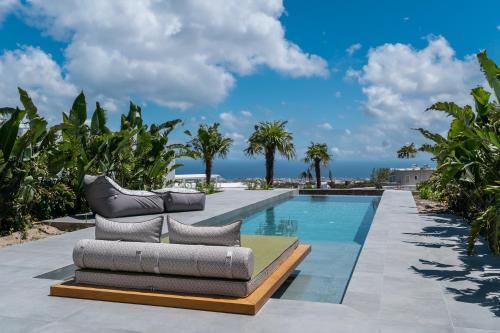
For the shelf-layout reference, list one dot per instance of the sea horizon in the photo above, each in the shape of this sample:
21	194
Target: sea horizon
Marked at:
255	168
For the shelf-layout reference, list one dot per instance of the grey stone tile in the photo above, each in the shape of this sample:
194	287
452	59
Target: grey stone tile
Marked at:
14	325
472	315
62	327
366	283
367	303
419	311
415	287
34	303
473	330
394	327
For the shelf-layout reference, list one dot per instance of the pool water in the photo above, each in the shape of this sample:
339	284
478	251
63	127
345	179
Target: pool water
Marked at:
335	226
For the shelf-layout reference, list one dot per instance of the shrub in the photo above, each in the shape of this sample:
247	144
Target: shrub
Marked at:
206	188
42	168
468	158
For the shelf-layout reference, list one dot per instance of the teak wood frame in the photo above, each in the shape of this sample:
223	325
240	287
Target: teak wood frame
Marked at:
249	305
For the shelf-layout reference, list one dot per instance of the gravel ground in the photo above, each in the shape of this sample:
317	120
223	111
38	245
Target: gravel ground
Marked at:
426	206
38	231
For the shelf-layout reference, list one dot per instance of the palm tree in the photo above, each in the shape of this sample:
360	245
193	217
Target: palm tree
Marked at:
407	151
207	145
317	155
269	137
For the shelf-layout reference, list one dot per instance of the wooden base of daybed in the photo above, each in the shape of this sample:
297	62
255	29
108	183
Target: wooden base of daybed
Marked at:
249	305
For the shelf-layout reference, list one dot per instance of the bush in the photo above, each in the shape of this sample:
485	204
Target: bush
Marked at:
42	167
468	159
207	188
431	189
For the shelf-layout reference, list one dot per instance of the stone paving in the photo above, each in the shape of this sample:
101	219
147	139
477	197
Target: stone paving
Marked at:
412	276
413	273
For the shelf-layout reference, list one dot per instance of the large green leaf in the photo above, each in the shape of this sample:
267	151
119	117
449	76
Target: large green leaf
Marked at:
98	123
438	138
6	111
453	110
9	131
29	107
78	112
491	71
481	99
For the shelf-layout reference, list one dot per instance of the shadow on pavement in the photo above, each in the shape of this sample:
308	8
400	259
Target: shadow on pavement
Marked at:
481	271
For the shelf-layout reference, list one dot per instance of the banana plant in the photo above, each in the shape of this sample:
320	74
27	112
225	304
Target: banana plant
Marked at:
37	161
469	156
23	137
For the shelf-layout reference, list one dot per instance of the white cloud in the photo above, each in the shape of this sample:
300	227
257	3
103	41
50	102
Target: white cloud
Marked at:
353	48
239	120
177	54
400	82
347	131
228	119
326	126
35	71
239	139
352	74
6	7
345	153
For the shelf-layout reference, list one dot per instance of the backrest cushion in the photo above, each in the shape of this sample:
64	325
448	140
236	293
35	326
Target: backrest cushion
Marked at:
226	235
183	202
148	231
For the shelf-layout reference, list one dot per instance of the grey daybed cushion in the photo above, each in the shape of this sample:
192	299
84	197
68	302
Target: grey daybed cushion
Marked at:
148	231
108	199
182	284
183	201
226	235
174	259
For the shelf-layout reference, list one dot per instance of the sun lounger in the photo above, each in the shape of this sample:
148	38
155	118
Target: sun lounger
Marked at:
208	268
218	284
108	199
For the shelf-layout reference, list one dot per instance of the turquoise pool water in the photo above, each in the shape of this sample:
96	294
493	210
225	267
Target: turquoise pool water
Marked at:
335	226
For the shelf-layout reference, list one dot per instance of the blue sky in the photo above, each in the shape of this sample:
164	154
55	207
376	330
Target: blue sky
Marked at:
357	75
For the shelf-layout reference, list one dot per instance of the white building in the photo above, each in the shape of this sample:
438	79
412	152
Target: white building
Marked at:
410	177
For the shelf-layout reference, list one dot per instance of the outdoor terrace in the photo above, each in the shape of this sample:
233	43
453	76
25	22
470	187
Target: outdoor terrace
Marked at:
412	276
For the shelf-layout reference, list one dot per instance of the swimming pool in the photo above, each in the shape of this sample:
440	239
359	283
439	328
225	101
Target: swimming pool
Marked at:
335	226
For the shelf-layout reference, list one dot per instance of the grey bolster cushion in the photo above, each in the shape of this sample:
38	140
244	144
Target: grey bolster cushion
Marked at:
108	199
226	235
172	259
183	201
148	231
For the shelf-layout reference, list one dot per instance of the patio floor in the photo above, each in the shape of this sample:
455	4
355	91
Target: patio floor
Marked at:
412	276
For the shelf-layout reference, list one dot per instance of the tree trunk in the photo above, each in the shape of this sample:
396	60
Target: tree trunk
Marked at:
208	171
269	166
317	170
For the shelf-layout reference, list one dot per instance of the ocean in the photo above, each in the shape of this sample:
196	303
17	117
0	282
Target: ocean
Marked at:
255	168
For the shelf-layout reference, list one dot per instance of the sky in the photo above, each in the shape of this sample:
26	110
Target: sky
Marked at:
357	75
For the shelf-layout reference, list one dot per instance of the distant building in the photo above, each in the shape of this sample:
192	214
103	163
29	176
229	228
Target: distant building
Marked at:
410	177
